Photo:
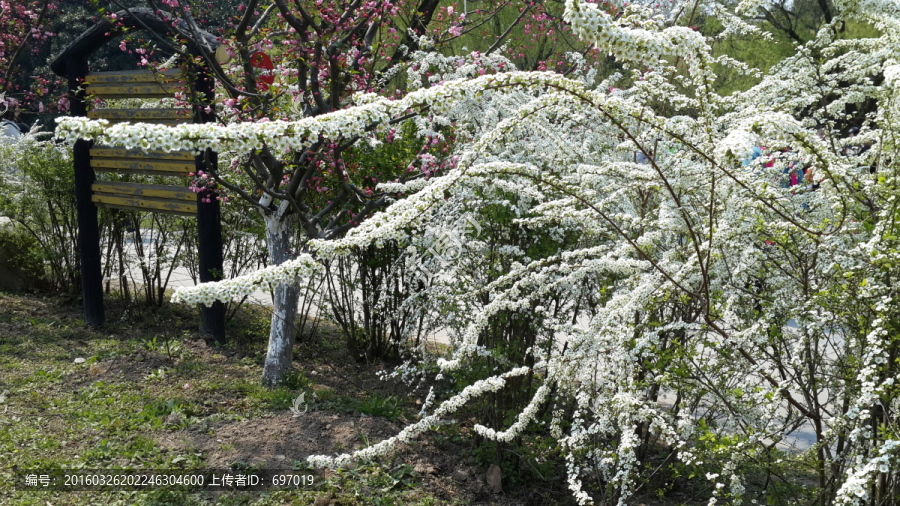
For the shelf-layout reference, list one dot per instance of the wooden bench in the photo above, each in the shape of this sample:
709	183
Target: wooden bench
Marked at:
110	159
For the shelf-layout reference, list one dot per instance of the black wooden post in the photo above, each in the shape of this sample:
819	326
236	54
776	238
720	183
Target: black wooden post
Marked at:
88	228
209	239
209	216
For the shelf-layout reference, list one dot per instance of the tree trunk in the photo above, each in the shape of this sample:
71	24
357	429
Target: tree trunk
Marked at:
284	312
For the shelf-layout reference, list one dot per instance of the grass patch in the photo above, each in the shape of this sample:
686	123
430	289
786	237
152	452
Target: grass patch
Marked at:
385	407
146	393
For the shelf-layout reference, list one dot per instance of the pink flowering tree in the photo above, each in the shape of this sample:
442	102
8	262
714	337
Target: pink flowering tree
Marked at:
23	31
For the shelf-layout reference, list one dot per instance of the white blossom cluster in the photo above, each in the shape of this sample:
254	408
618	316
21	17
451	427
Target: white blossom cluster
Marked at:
440	68
637	36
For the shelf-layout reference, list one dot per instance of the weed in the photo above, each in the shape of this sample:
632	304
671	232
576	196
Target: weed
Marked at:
281	398
269	399
296	380
47	376
159	407
158	373
172	348
168	497
385	407
245	467
191	367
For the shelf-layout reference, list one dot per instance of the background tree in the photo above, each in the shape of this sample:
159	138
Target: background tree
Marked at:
24	27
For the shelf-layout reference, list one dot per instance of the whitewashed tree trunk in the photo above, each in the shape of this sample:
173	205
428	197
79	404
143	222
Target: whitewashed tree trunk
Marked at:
285	300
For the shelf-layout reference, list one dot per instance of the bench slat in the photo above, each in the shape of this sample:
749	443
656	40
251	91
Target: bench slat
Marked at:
131	164
145	190
146	90
140	172
133	76
113	152
145	204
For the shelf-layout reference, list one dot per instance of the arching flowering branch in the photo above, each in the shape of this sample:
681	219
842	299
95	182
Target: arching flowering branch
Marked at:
287	136
302	267
447	407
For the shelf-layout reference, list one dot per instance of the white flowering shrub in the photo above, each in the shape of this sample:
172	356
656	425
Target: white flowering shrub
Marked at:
699	303
37	192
